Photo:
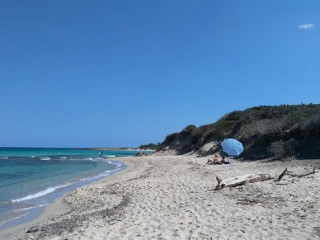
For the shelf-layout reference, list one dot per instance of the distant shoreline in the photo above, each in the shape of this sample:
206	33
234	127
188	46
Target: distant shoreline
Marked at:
85	148
116	149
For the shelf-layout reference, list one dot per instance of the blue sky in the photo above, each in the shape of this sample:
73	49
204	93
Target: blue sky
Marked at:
126	73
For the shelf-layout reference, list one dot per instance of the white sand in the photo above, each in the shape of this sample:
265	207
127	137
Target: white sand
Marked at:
172	197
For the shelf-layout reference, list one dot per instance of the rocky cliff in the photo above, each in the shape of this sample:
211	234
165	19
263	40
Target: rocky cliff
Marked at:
266	132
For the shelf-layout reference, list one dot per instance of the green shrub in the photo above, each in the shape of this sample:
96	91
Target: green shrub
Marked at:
189	128
151	146
224	126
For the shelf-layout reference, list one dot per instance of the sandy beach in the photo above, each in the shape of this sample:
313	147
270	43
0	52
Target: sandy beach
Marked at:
173	197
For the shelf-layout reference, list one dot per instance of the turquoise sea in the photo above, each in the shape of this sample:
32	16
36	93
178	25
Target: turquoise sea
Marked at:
31	178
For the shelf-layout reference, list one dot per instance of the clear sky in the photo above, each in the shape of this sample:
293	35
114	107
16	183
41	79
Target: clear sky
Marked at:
115	73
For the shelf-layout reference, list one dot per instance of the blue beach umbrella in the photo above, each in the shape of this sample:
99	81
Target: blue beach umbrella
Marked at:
232	147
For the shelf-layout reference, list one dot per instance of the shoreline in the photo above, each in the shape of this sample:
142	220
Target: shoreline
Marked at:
123	149
172	197
54	207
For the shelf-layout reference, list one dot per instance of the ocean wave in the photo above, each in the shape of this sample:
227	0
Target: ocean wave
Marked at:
115	163
4	157
101	175
105	173
45	158
1	223
39	194
28	208
110	156
91	159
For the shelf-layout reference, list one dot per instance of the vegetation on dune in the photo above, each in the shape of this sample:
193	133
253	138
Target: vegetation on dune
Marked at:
266	131
150	146
189	128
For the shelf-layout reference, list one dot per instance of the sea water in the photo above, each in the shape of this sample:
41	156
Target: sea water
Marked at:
31	178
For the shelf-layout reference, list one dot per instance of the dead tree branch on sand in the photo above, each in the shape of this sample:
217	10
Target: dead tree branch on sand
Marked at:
233	182
251	178
282	174
300	175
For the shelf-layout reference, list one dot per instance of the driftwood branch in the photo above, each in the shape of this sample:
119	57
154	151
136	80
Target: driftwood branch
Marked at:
251	178
219	180
301	175
306	174
282	175
233	182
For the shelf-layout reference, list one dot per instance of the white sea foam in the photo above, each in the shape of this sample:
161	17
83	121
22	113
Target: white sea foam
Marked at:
45	158
52	189
91	159
110	156
104	174
13	219
28	208
117	164
39	194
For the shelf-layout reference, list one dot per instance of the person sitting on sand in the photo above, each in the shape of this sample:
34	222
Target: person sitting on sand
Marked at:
215	160
223	161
